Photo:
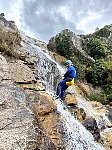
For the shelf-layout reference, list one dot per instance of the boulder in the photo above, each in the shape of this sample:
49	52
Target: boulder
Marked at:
71	99
91	125
44	105
107	138
71	102
45	112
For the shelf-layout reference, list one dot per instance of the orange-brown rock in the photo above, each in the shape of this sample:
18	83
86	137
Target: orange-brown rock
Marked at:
45	104
58	58
33	86
70	99
47	117
107	137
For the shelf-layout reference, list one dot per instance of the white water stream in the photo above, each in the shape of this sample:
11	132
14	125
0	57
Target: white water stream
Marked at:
76	137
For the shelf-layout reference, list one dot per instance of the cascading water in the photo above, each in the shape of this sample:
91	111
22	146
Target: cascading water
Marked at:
76	137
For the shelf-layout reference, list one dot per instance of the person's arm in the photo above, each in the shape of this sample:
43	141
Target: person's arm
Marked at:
67	72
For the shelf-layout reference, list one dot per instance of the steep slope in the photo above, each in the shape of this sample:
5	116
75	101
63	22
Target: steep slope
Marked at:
91	55
26	110
33	119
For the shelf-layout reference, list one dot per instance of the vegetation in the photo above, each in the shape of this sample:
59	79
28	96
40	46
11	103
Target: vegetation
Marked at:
98	73
104	32
95	48
8	42
64	45
80	70
99	97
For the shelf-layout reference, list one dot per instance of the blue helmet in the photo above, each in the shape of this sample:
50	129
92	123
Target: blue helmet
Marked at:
68	62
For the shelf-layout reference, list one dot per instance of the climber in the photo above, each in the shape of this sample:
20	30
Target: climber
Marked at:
69	79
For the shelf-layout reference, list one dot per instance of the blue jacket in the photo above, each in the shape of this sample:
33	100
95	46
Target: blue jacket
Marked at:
70	73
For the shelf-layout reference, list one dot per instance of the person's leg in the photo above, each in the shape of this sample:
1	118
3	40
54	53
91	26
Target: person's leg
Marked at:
58	92
63	91
60	88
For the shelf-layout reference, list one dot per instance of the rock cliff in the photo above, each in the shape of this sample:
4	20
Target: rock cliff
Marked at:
28	114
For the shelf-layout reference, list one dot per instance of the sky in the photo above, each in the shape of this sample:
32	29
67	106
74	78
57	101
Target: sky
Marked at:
43	19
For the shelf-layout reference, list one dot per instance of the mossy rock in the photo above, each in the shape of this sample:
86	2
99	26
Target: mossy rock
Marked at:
8	43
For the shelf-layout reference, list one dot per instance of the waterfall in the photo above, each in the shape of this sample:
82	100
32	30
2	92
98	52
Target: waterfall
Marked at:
76	137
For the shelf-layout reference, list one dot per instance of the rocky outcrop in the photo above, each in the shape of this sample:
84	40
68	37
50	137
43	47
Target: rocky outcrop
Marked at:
28	115
16	120
91	125
20	126
87	89
4	70
107	138
21	73
76	42
45	110
10	25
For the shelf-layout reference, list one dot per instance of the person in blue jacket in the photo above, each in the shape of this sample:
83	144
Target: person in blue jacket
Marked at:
69	79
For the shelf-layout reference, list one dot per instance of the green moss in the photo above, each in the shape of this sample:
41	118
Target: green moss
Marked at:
8	43
99	97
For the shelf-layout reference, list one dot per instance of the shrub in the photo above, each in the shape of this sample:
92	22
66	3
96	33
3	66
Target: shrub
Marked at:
104	32
98	75
108	78
96	49
99	97
80	68
64	45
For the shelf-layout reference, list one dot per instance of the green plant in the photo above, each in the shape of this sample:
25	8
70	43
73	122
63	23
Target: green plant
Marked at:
96	49
64	45
99	97
8	42
80	71
104	32
98	74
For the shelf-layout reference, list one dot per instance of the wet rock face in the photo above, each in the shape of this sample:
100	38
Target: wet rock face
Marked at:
19	129
110	114
91	125
45	111
71	103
